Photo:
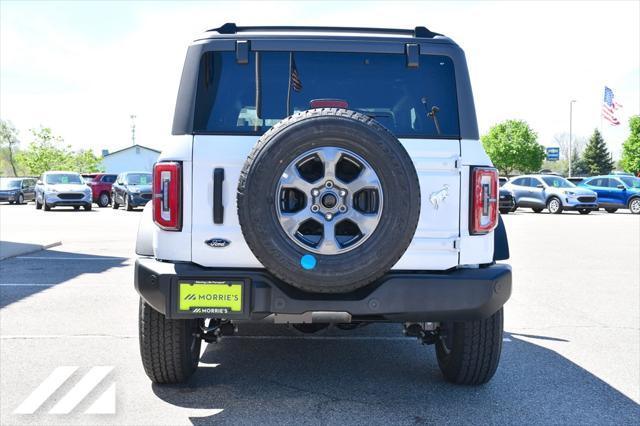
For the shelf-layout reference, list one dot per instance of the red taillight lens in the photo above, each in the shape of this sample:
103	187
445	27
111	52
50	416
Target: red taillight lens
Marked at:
484	200
167	196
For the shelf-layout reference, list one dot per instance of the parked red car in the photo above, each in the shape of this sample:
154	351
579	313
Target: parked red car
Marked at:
100	184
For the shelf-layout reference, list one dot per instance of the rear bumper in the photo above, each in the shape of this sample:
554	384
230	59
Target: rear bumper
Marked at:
462	294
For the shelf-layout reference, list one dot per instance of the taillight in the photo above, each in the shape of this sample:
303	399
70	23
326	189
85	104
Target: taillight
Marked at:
484	200
167	196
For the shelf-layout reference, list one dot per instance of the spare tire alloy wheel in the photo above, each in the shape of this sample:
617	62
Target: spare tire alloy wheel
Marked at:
333	214
328	200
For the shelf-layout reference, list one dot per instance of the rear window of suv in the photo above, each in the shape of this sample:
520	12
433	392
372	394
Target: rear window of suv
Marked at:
249	98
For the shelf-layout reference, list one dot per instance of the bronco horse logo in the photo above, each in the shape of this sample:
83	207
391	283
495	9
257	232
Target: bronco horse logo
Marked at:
439	196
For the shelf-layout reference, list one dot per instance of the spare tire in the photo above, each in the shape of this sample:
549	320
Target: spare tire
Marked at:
328	200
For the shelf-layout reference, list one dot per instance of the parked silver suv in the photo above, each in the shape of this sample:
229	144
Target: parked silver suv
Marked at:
552	192
55	189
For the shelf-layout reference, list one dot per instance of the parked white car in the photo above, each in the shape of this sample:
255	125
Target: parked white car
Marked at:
59	188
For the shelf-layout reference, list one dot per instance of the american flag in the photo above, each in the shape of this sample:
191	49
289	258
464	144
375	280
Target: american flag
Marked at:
609	107
296	84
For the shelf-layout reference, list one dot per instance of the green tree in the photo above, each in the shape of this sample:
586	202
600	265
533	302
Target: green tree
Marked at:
46	152
9	143
85	161
630	161
513	145
596	155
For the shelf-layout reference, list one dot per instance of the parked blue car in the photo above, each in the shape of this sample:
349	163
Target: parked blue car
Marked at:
615	192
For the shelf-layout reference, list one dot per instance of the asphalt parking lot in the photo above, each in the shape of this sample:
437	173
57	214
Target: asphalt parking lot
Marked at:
571	351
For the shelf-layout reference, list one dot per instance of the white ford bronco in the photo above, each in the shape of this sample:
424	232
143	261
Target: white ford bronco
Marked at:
323	176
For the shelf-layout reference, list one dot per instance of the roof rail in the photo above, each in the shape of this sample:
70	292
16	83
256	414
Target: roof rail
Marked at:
231	28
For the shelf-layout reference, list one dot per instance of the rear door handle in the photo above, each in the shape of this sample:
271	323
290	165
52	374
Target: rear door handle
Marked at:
218	208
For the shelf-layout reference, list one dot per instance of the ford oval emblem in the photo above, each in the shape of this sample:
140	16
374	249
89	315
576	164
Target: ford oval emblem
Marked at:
217	242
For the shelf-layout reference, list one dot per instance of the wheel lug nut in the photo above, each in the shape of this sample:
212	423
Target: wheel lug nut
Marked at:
342	209
329	184
328	216
315	192
315	208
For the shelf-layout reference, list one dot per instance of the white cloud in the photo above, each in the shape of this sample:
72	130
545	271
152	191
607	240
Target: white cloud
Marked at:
527	60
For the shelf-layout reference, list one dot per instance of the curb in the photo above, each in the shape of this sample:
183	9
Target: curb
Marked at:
29	249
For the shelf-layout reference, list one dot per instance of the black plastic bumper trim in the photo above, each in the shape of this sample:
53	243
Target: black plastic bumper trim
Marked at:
461	294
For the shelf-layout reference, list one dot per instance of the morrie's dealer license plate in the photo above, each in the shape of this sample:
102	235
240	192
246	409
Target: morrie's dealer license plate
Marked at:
210	297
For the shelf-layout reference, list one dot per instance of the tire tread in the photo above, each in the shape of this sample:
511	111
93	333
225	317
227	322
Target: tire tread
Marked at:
162	347
476	351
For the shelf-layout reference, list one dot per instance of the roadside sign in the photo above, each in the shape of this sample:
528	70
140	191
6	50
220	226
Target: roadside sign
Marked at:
553	154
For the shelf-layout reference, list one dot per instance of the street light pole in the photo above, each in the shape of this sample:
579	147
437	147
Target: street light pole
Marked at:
133	129
570	133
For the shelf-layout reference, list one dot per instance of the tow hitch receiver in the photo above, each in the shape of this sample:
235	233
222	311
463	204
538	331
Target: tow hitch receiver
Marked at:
427	332
215	330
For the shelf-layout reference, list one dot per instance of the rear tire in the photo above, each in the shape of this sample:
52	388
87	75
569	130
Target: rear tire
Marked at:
611	210
469	352
536	210
87	207
38	205
46	206
103	199
169	348
554	205
20	199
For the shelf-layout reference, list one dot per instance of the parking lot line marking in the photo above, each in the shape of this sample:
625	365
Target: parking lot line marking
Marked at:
88	382
45	390
93	336
64	336
71	258
25	285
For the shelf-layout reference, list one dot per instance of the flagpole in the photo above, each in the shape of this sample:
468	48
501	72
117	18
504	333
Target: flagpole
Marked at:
601	129
570	133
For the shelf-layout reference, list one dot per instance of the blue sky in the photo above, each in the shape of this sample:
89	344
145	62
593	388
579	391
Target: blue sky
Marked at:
82	68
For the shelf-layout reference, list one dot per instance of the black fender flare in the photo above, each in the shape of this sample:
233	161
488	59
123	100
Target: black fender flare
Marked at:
500	242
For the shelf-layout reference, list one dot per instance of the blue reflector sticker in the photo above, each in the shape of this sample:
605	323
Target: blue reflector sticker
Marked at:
308	261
